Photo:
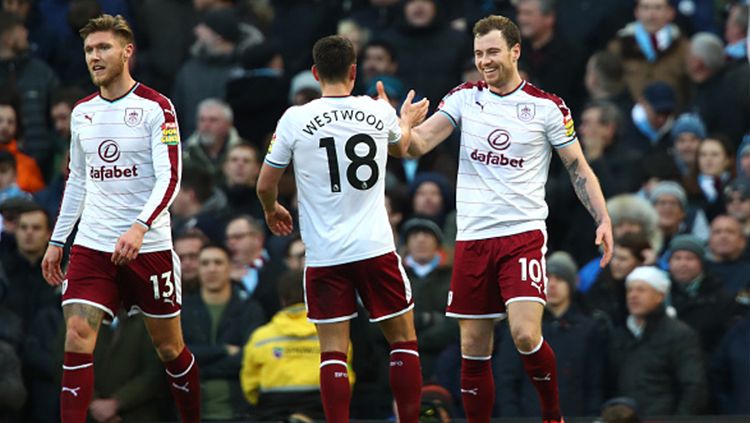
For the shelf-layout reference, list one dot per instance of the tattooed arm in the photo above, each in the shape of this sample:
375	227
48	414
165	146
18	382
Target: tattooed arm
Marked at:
590	194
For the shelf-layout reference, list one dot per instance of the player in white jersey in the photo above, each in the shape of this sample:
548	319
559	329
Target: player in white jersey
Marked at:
339	145
125	171
508	131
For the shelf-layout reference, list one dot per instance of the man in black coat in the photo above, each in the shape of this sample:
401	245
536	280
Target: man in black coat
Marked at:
656	359
217	323
698	297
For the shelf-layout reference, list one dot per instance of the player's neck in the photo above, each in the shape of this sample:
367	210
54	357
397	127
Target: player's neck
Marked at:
118	87
336	89
509	86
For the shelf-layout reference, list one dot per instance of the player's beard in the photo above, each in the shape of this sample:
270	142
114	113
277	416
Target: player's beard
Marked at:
113	72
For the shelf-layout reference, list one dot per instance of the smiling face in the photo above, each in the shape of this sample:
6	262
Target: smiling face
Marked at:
106	57
495	60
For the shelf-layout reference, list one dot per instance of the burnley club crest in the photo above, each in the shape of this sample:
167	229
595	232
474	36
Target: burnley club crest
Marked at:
133	116
526	111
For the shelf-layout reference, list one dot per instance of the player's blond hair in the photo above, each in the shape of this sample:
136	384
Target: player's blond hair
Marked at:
509	29
108	23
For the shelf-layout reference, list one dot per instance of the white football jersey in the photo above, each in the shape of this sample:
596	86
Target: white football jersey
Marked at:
125	167
339	146
506	147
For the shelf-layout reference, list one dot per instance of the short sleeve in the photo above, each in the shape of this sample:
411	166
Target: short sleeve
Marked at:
559	125
392	125
279	153
452	104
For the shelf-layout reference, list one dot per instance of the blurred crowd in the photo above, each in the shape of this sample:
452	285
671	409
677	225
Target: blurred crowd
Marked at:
660	92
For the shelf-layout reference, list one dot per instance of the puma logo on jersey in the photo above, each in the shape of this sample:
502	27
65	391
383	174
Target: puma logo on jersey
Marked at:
538	286
480	105
168	300
546	378
472	391
73	391
183	388
89	118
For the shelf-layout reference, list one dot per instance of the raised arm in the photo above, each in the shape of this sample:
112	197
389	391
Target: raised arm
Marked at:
590	194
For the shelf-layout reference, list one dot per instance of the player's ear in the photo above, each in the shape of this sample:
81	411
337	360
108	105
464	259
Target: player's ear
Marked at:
515	52
314	70
353	72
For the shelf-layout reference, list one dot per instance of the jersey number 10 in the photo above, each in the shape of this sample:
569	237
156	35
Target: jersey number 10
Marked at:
356	162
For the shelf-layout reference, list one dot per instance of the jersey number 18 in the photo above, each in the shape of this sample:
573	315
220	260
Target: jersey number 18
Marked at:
356	162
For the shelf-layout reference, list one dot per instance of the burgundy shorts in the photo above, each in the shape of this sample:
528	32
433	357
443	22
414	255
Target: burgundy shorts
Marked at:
488	274
381	282
150	284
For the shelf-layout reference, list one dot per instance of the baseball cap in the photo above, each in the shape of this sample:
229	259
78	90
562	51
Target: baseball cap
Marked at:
660	96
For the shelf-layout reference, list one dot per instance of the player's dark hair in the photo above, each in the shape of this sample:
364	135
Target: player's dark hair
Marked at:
333	55
290	287
507	27
385	45
108	23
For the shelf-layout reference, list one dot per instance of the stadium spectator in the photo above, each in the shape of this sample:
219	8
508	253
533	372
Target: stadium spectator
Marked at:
199	204
729	368
188	247
607	294
424	42
735	32
208	146
737	200
255	92
303	89
620	410
378	59
29	176
295	254
432	199
656	359
213	55
217	323
128	384
653	117
698	297
8	179
604	80
240	170
66	59
687	133
28	293
255	270
60	108
554	63
675	217
430	277
356	34
720	90
726	247
280	361
32	81
714	170
630	214
577	341
652	48
397	207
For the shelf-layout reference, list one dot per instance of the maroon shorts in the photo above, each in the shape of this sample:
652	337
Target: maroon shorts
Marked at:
488	274
150	284
381	282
